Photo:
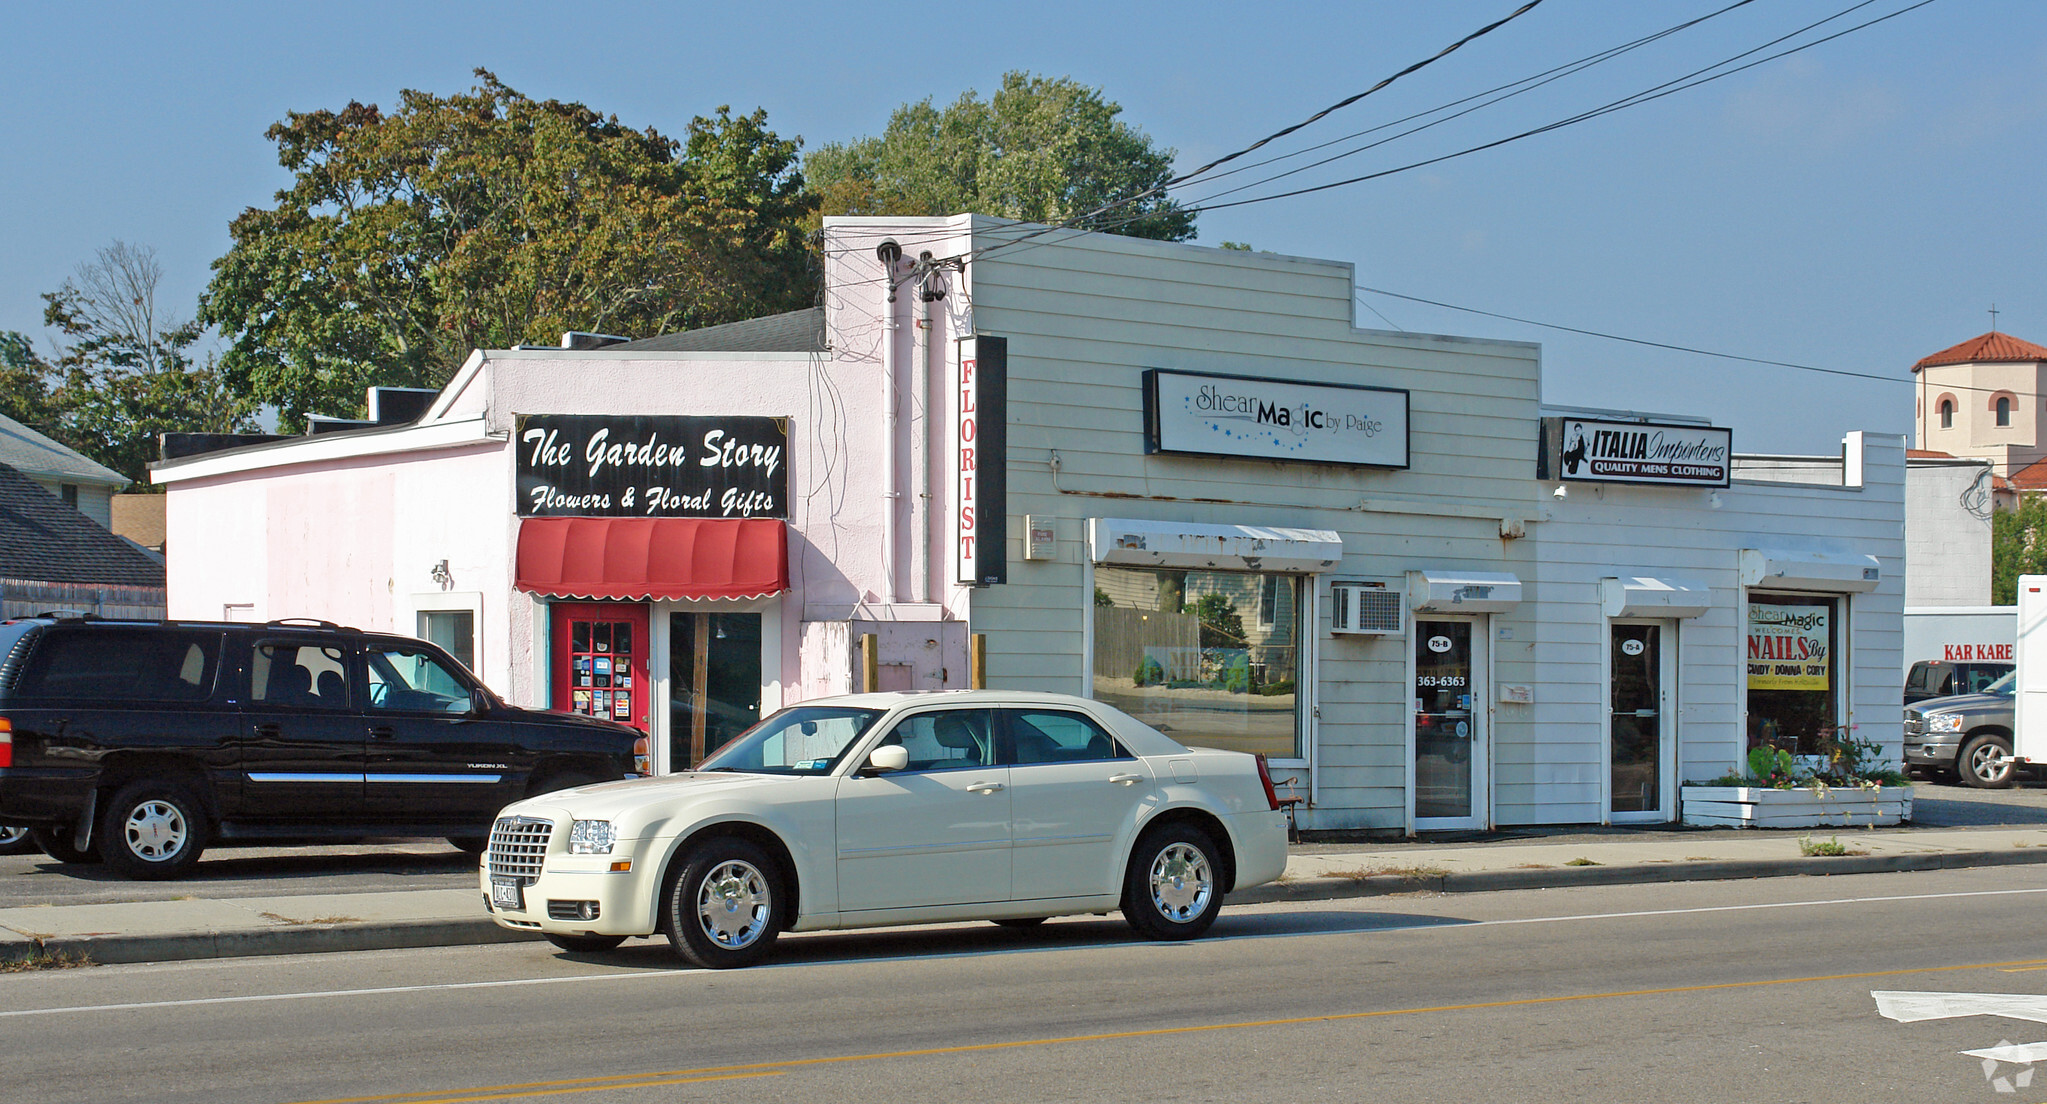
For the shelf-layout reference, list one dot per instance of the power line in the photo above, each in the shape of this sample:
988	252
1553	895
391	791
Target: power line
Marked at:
1636	100
1660	344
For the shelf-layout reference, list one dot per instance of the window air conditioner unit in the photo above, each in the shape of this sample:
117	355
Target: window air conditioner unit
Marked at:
1368	609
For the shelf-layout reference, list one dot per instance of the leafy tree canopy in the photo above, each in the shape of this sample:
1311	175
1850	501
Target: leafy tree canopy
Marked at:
2018	546
489	219
1042	149
126	372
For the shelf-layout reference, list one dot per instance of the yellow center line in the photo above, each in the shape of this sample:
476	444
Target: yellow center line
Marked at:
762	1069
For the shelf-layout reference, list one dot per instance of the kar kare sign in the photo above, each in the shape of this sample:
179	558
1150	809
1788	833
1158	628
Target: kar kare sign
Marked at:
1787	648
1270	419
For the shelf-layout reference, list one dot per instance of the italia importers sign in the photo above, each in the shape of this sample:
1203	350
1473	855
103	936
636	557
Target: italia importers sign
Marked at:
1589	451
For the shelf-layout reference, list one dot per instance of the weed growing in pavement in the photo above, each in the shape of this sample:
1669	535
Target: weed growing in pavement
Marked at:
1581	861
276	918
1812	848
44	960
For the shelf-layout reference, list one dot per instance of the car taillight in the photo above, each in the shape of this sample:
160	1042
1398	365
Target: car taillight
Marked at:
1265	776
643	757
6	742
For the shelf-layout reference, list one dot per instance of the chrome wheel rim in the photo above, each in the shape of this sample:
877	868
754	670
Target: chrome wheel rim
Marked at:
1983	763
156	831
734	904
1182	883
12	834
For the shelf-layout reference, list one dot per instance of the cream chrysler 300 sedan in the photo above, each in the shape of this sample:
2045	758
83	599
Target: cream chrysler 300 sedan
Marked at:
878	809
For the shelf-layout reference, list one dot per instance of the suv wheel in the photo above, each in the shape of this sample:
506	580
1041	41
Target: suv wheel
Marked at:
14	840
56	843
1985	762
153	830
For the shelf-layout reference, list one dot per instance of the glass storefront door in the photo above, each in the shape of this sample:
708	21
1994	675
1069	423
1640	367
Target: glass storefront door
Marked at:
714	682
1637	721
1449	724
600	661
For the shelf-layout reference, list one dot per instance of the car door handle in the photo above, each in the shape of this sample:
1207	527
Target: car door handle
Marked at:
984	787
268	731
382	732
1126	779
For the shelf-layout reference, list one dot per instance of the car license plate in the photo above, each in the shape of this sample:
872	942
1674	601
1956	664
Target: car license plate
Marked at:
507	893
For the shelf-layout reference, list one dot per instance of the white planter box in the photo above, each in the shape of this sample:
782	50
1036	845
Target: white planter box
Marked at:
1758	807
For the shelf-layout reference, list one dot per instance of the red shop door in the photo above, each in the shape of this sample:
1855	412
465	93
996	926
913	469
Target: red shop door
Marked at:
600	661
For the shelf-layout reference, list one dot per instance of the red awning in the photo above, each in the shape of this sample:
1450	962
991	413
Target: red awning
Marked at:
638	559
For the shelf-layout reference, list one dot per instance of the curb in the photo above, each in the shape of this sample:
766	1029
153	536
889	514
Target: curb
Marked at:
327	938
304	939
1711	870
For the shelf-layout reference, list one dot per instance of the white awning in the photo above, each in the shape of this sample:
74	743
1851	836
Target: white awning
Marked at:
1220	547
1800	569
1652	596
1462	591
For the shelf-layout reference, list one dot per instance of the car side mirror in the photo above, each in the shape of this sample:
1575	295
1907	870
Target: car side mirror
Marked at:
886	758
479	703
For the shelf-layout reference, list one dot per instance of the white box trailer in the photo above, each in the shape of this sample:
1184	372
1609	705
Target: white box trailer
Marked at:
2029	702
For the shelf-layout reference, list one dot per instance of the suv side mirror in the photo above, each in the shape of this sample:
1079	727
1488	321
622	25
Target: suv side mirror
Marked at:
479	703
886	758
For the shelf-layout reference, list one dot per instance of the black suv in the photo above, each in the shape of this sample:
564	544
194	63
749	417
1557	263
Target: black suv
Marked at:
138	743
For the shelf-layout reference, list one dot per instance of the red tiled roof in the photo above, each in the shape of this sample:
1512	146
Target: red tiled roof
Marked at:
2032	477
1927	454
1992	347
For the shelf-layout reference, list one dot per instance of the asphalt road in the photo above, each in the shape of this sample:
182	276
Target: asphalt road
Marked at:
383	865
1686	992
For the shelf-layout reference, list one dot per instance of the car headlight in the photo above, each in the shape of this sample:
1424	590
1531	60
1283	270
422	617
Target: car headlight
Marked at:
1943	722
591	837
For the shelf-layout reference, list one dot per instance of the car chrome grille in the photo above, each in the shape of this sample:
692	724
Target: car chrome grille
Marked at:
518	846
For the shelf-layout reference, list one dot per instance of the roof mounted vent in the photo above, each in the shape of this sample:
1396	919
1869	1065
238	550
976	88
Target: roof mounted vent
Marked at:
577	339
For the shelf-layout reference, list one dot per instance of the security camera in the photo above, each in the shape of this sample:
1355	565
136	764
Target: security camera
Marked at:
889	252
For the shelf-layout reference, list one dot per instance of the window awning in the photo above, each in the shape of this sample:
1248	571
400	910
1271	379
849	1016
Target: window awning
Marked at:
1804	569
1462	591
643	559
1221	547
1653	596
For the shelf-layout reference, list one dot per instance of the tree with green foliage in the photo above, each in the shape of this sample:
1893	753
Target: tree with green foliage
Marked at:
489	219
126	373
1221	625
26	384
1041	149
2018	546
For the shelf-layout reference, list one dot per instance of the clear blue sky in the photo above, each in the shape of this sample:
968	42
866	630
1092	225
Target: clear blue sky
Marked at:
1854	206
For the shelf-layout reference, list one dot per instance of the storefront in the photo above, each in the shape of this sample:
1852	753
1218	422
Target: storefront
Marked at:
1173	478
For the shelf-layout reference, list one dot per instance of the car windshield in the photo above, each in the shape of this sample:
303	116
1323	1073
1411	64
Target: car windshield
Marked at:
2003	685
805	739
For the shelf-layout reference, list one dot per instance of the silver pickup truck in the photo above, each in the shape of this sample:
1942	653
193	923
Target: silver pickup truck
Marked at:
1968	735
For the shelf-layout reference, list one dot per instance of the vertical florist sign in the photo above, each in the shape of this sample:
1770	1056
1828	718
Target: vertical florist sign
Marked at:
1788	647
981	444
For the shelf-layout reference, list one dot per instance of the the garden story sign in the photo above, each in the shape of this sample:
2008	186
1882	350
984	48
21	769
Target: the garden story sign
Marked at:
1271	419
595	465
1584	450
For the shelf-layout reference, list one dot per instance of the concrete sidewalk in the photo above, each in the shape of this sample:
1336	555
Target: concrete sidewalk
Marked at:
190	928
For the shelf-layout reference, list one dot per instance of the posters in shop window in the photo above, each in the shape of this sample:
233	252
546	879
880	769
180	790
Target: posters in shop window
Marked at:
590	465
1788	647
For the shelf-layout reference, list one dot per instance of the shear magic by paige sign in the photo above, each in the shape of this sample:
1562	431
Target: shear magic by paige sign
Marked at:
1273	419
591	465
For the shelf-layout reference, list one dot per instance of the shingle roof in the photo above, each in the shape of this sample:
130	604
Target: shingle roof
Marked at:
43	540
1990	348
25	450
800	331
